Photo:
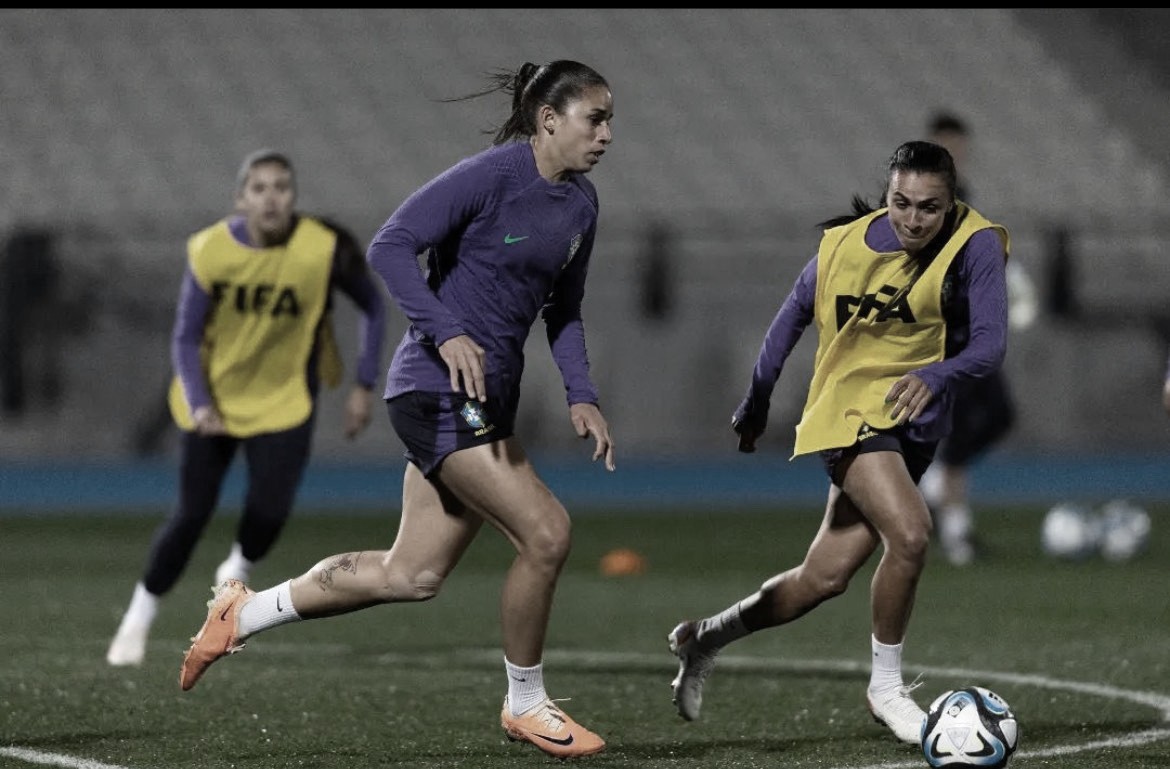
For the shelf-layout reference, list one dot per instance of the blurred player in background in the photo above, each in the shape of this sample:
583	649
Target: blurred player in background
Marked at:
508	234
252	342
984	410
908	300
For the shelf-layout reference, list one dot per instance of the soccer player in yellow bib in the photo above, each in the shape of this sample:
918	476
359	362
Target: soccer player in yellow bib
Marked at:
251	345
890	291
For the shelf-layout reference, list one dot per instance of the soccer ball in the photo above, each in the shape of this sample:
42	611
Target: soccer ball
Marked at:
971	726
1070	531
1125	530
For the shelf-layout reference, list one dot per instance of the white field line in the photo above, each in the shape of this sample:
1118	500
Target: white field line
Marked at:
55	759
1159	702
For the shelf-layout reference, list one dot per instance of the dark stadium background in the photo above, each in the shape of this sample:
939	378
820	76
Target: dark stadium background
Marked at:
735	131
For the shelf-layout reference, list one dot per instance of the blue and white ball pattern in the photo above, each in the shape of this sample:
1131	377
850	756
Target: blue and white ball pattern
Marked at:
972	726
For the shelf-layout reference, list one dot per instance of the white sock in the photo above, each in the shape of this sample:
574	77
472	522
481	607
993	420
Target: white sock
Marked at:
143	607
955	522
886	672
525	687
931	485
268	608
235	566
721	629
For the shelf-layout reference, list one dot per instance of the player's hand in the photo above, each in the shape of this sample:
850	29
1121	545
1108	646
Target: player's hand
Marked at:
587	420
358	408
465	361
749	431
910	395
208	421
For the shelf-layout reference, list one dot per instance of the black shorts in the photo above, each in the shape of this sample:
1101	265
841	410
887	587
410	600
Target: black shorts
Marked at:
432	425
982	415
916	454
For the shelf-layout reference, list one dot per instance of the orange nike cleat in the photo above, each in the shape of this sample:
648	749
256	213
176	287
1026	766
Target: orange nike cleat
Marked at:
547	727
218	636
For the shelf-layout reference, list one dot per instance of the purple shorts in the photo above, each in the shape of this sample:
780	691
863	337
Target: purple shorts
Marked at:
432	425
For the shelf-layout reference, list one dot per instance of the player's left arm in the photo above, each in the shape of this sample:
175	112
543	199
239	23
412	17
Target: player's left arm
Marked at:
352	275
984	275
565	328
566	338
750	418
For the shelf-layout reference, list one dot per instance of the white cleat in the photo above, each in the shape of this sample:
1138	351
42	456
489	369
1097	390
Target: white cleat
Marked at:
694	665
898	711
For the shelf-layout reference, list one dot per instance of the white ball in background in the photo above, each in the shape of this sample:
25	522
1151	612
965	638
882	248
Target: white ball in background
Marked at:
1125	530
1071	531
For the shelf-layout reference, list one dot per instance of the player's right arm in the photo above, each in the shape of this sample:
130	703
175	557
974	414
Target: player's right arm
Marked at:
186	342
795	314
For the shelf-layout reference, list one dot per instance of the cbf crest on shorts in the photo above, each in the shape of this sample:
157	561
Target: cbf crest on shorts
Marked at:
473	414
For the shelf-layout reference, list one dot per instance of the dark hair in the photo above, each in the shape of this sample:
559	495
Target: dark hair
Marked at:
266	155
946	122
920	157
556	84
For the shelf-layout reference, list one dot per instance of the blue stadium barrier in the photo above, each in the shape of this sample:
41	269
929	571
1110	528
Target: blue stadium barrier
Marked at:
653	485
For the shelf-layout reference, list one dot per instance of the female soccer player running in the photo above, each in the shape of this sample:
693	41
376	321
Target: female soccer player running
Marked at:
890	290
507	235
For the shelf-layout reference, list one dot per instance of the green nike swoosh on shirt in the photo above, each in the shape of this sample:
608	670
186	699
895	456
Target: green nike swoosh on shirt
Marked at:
509	240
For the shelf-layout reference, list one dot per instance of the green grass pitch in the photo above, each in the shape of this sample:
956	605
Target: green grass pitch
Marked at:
1081	651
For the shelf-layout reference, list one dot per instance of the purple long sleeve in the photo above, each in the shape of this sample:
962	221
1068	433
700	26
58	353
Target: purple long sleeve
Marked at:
359	286
423	220
788	325
566	330
187	338
502	245
982	277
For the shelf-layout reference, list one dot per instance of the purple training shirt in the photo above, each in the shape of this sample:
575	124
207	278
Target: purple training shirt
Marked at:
503	245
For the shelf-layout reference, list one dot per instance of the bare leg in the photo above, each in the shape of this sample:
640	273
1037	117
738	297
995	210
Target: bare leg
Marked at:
880	486
841	546
433	534
499	483
440	518
843	543
878	503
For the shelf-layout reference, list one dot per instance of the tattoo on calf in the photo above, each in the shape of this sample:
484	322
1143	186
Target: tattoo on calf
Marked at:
345	562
